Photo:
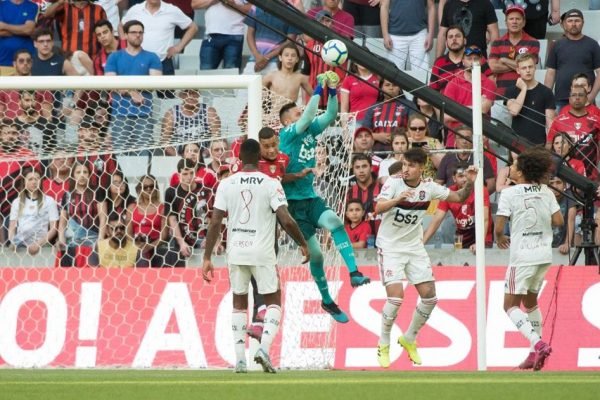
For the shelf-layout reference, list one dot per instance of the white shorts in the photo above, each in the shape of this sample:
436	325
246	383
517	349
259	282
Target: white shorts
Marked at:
414	266
267	278
520	280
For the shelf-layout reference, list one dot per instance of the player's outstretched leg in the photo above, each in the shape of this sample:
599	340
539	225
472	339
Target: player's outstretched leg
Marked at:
239	319
330	221
317	271
388	316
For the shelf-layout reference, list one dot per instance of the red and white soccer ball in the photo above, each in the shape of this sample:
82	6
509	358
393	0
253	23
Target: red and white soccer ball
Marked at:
334	52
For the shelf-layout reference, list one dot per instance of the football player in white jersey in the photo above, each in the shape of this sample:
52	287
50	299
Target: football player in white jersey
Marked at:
533	211
253	202
402	202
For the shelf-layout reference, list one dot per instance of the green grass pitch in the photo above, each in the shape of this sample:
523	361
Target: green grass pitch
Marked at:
331	385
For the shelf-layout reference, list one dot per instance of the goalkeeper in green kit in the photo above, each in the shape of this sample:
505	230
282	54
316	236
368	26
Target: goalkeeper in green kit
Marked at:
298	141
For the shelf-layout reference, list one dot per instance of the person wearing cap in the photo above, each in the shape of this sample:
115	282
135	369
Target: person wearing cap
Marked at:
363	143
504	51
408	30
477	19
572	54
460	89
537	17
343	21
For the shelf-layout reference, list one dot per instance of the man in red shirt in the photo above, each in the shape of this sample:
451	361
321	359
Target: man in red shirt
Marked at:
582	127
463	213
108	44
460	89
343	21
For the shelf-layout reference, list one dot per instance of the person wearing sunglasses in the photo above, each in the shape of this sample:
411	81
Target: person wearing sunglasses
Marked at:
118	250
460	89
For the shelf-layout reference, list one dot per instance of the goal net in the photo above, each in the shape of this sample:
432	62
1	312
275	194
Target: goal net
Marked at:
95	174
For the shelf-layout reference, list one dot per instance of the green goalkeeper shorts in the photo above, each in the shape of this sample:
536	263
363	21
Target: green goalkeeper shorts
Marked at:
307	213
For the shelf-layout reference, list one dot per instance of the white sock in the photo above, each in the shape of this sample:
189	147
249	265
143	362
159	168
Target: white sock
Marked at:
420	316
534	315
270	327
519	318
388	316
239	320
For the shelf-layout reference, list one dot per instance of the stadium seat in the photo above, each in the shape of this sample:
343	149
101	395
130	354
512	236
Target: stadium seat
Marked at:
221	71
163	167
180	71
193	47
133	166
189	61
540	75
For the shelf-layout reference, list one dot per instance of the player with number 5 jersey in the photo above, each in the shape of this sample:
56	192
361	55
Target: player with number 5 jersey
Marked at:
403	201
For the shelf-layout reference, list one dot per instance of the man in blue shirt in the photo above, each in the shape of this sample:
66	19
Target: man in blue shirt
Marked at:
132	124
17	22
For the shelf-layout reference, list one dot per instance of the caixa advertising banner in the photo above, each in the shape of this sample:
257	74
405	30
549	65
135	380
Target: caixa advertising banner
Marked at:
159	318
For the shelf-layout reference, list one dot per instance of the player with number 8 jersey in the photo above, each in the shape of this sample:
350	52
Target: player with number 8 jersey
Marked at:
403	201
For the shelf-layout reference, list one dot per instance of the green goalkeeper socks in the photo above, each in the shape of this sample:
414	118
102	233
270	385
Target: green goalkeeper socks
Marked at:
317	270
330	221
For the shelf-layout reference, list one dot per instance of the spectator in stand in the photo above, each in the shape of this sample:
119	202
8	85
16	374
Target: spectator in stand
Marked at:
219	151
503	179
399	146
463	213
287	81
80	219
77	20
186	7
186	208
464	141
204	176
161	19
118	250
476	18
390	112
33	216
36	132
264	41
434	126
313	62
563	236
192	120
582	80
363	143
10	99
108	44
224	40
460	89
418	136
408	28
365	187
132	109
12	155
450	64
343	21
117	200
583	128
357	228
504	51
111	8
530	103
58	173
562	146
45	61
147	223
536	14
17	22
573	53
359	92
102	166
366	16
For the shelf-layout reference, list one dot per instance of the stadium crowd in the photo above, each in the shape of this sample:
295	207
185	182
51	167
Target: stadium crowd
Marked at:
77	198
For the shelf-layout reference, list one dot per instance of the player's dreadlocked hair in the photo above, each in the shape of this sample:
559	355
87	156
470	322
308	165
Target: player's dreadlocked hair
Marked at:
535	164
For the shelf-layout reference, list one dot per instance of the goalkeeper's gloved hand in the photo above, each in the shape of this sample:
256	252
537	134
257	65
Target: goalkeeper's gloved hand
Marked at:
321	82
333	79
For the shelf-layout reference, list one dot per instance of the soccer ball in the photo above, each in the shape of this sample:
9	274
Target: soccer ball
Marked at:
334	52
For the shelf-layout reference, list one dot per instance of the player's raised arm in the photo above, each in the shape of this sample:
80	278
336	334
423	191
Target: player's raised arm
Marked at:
212	236
310	112
460	196
324	120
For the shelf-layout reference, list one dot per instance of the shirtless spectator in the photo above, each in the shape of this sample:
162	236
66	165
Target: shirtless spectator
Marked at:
9	99
287	81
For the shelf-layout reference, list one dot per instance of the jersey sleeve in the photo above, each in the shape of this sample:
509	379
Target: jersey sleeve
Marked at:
504	204
388	191
220	201
52	209
553	203
277	195
439	192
